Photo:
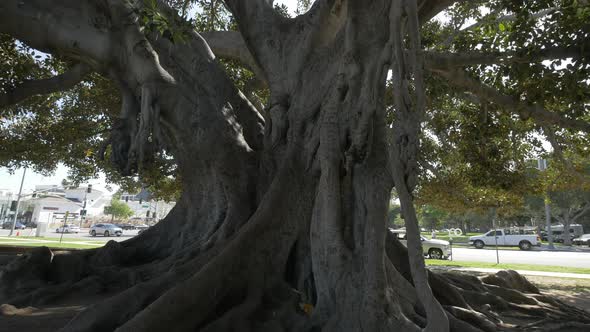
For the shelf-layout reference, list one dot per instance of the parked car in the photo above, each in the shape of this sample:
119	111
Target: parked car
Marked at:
558	236
126	227
582	240
8	225
68	228
435	249
31	224
505	237
106	230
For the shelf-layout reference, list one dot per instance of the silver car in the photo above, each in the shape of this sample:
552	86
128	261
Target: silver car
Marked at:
68	228
435	249
106	230
583	240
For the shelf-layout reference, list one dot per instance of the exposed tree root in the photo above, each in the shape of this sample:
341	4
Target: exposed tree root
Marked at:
240	300
238	296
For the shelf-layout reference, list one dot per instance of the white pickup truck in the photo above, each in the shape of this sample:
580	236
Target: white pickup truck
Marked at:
505	237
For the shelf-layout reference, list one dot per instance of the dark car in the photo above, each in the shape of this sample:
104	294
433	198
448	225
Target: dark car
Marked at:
126	227
31	224
558	236
8	225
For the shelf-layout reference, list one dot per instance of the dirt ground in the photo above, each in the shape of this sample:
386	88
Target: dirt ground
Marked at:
48	319
575	292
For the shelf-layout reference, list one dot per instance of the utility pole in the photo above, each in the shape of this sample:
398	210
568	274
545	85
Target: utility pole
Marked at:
494	216
20	191
84	212
63	228
542	167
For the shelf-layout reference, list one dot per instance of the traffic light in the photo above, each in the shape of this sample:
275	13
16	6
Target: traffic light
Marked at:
147	214
126	199
89	189
34	195
13	206
83	213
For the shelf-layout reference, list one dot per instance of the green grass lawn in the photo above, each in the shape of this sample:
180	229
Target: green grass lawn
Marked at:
52	245
527	267
51	242
65	238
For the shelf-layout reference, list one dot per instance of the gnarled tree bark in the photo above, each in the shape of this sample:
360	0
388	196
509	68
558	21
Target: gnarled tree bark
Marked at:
281	223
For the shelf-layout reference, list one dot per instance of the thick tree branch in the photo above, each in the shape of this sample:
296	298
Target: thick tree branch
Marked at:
258	23
231	45
37	23
57	83
438	60
537	112
581	212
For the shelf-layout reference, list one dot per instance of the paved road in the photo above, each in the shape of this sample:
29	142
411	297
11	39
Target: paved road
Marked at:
83	235
540	257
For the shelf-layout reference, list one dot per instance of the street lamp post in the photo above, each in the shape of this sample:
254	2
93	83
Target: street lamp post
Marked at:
543	166
20	191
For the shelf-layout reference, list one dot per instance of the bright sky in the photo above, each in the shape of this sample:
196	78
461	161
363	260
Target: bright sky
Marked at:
292	4
32	179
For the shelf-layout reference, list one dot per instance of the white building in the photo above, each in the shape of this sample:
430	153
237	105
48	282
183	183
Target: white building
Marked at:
6	196
49	209
52	203
96	200
142	203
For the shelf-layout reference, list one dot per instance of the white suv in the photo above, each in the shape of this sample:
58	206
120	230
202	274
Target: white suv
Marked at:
106	230
68	228
435	249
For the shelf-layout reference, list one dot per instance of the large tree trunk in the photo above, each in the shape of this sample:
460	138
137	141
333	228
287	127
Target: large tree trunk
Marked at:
567	238
281	225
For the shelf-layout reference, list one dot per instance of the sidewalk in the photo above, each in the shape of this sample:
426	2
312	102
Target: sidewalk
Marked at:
560	247
523	272
543	247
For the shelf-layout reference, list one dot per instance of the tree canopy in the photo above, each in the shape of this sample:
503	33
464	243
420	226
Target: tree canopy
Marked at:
118	209
470	48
